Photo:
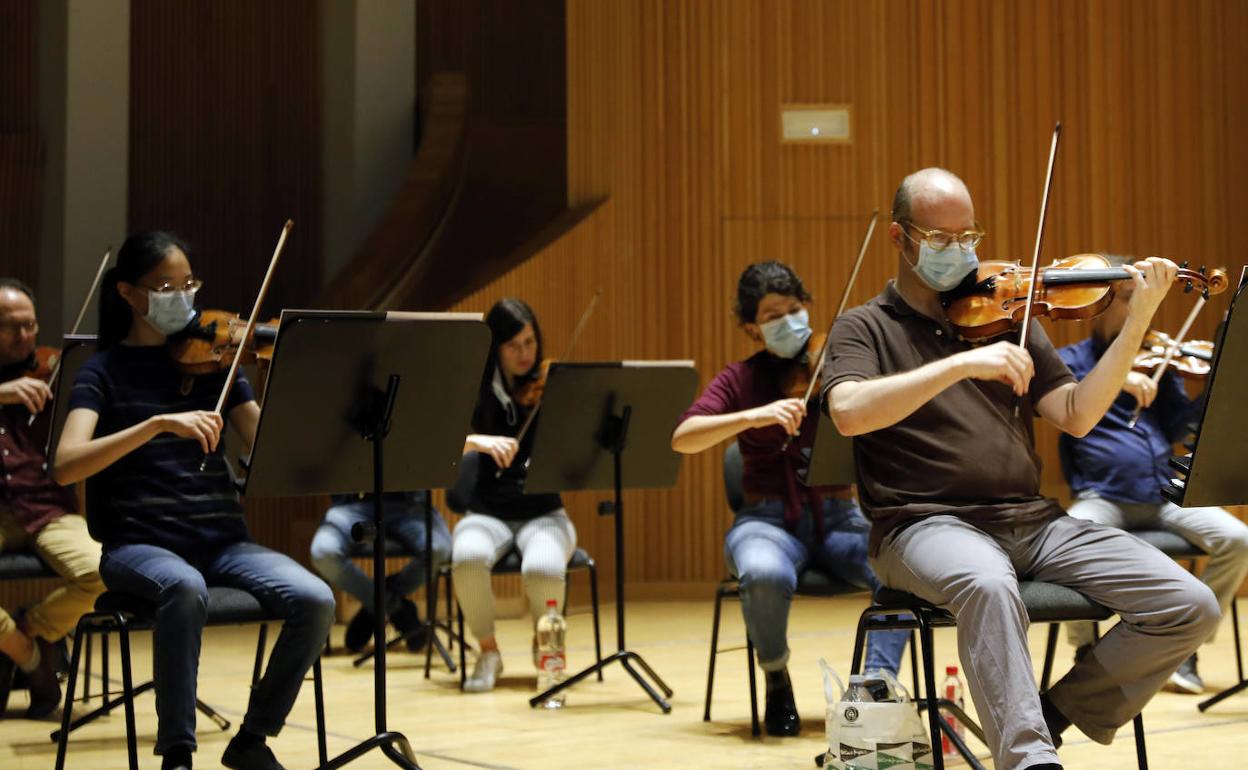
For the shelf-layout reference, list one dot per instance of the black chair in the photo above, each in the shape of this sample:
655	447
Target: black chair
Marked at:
1045	603
811	582
121	613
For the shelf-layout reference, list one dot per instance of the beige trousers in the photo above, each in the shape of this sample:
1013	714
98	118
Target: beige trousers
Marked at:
67	548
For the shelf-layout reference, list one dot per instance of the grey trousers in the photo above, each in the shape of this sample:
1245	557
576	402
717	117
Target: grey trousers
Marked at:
1165	614
1214	530
479	541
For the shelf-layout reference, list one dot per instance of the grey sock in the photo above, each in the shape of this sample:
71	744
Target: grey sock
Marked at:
35	659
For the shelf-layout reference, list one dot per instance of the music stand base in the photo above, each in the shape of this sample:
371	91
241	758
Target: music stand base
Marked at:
1234	689
626	658
403	756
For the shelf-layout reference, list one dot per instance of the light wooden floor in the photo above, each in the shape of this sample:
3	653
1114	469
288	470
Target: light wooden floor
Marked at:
608	725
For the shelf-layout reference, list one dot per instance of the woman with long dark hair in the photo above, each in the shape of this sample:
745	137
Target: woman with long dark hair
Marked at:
500	515
139	431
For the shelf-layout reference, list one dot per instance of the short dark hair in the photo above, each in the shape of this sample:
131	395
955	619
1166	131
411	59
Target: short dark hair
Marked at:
138	256
763	278
16	285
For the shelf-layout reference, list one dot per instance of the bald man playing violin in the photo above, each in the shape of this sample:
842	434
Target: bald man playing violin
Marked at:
949	477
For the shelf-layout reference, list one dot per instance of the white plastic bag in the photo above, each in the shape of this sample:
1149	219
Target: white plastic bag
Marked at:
874	736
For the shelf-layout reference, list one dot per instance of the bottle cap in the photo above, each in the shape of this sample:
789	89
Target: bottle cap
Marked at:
857	679
951	670
552	603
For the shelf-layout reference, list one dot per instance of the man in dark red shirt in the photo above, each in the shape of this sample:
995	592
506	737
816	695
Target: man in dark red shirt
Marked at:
949	477
36	514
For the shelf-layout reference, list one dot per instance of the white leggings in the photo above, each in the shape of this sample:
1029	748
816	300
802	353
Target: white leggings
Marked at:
479	541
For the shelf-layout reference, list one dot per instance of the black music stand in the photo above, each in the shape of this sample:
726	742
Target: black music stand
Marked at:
334	401
831	461
75	350
1213	474
609	426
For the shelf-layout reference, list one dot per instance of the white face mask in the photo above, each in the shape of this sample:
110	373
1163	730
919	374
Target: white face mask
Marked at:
785	336
169	312
943	270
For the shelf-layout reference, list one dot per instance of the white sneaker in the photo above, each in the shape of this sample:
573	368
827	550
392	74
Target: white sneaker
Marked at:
485	673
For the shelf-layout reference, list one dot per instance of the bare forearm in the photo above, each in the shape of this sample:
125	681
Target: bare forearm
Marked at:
870	405
700	433
76	460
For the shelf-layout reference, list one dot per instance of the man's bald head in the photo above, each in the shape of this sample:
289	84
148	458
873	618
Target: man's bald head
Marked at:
931	193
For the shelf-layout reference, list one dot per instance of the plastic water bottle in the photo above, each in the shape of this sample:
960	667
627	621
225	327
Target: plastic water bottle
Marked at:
951	690
552	660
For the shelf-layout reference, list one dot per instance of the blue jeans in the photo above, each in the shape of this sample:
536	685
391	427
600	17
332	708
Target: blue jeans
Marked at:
767	559
178	587
404	522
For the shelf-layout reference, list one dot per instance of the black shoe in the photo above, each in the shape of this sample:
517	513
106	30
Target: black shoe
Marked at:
359	631
7	669
1186	679
45	689
781	717
249	752
1082	651
1046	766
176	758
406	620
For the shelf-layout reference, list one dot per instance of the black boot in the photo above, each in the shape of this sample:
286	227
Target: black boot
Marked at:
7	669
176	758
45	689
359	631
406	620
249	752
781	716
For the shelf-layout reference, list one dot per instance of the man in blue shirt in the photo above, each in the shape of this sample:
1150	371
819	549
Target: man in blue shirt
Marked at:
1116	473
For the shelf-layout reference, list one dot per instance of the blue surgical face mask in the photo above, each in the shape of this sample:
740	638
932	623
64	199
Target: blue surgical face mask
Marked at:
944	269
787	335
169	312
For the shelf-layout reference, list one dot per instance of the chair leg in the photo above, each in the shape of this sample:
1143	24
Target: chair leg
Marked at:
710	667
1050	651
1239	652
927	645
258	666
75	659
86	673
127	684
593	597
446	581
319	693
105	657
914	661
463	663
860	643
749	660
1141	751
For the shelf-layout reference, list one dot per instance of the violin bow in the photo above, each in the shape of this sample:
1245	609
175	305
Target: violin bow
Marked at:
1171	349
228	385
82	311
823	352
576	333
1035	258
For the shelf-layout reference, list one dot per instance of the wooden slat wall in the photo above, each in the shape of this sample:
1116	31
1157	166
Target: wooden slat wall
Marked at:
673	111
20	162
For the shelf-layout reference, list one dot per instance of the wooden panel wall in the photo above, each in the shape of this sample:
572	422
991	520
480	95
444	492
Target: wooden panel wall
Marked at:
20	147
673	111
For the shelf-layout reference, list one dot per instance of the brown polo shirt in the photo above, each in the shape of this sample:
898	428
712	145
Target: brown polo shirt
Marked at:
962	453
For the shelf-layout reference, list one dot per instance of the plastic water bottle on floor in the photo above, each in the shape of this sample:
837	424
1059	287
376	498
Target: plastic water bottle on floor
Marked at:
552	660
951	690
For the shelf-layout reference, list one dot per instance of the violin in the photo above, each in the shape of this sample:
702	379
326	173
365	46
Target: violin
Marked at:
1192	359
529	391
209	343
804	369
44	363
1077	288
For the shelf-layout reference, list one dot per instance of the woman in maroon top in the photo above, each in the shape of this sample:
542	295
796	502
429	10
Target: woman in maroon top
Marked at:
784	527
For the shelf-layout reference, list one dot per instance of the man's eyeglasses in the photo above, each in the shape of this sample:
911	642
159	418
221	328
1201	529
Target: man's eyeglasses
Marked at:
194	284
13	327
939	240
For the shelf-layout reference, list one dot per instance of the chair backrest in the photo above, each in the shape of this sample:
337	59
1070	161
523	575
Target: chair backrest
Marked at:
734	471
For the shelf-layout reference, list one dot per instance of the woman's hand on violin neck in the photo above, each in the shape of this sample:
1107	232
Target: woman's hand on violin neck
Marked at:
1141	387
204	427
1000	362
1152	279
501	449
27	391
788	413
